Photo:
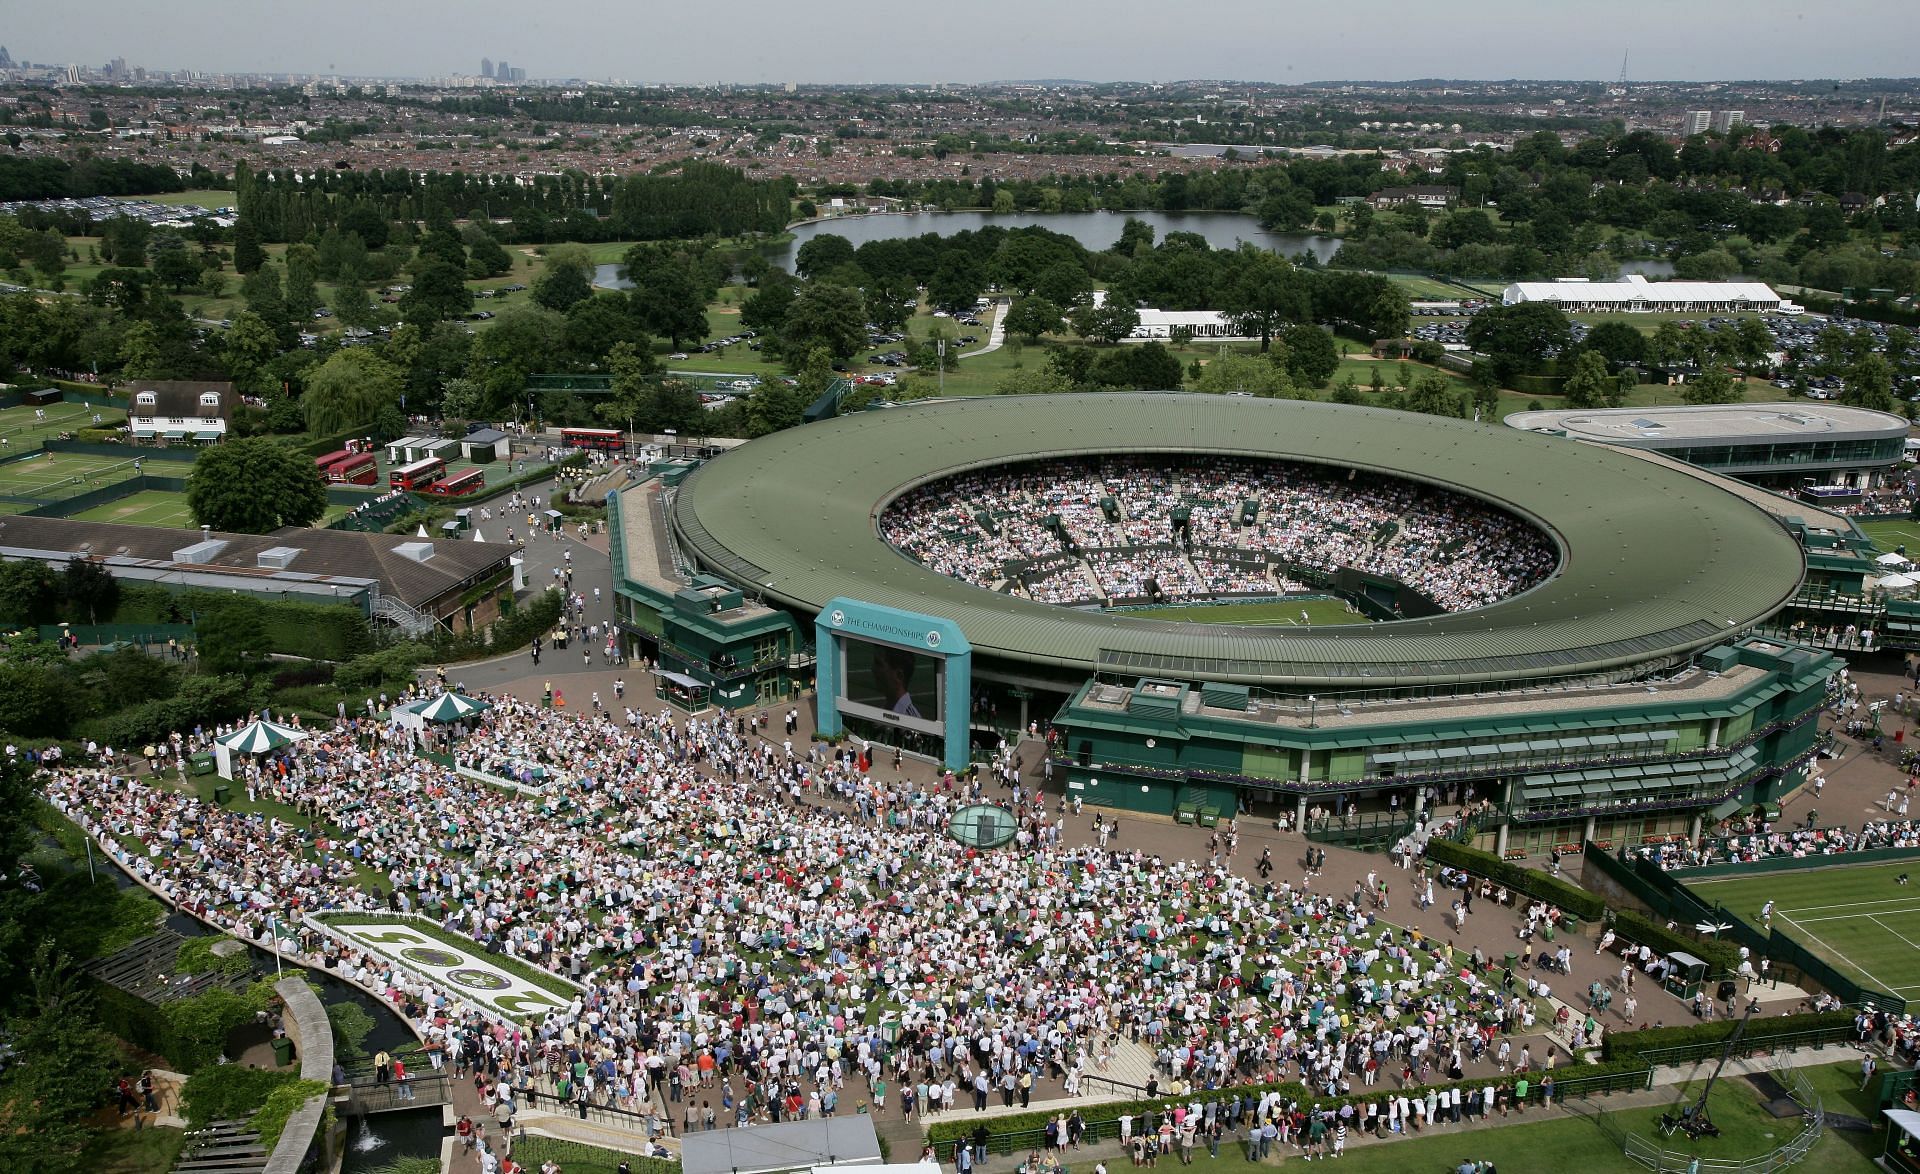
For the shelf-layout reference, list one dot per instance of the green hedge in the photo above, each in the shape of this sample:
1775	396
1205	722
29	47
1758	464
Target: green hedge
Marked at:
1629	1044
1534	883
1720	955
227	1092
1621	1061
282	1103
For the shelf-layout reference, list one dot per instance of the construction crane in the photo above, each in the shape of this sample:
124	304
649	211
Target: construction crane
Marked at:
1694	1119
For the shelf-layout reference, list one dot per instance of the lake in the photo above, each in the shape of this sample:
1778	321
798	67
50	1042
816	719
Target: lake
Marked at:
1095	230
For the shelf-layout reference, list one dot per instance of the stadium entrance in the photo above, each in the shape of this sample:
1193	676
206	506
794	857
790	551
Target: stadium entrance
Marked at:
894	677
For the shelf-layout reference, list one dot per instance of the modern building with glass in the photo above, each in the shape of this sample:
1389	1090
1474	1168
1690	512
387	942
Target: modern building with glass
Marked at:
1641	690
1783	446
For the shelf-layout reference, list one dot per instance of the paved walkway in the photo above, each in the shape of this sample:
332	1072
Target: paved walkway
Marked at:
997	336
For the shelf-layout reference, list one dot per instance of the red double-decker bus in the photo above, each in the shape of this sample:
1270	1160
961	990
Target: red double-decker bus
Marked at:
360	468
460	484
418	476
598	439
326	463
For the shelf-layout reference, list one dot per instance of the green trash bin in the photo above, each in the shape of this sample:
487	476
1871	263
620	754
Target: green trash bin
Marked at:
222	793
202	764
1547	932
1513	959
282	1052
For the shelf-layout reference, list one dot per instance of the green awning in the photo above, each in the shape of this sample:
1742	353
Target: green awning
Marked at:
1724	808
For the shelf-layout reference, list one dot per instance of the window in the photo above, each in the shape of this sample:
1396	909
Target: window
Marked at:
209	399
145	399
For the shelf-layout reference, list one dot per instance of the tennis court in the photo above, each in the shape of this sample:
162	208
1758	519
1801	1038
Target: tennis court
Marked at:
21	429
1861	918
149	507
1269	614
55	476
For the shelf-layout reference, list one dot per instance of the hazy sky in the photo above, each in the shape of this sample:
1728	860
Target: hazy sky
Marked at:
985	40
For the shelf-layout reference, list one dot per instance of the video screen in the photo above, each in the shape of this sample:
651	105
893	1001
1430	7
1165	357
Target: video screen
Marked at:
891	684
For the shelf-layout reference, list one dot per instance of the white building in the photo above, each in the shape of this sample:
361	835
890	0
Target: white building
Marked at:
1203	323
1637	295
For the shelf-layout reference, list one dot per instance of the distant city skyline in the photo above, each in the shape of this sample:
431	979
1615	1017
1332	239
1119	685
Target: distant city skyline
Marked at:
1283	41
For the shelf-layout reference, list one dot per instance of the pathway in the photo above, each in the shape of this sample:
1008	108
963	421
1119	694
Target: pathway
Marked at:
995	337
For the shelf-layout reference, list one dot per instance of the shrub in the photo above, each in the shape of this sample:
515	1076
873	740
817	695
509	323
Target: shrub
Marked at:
1532	882
282	1103
197	956
228	1092
1720	955
1630	1044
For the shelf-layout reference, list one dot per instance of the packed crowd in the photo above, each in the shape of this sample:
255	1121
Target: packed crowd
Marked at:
1795	842
755	920
1120	515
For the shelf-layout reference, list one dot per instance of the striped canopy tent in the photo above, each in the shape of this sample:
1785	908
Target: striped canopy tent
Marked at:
259	736
451	707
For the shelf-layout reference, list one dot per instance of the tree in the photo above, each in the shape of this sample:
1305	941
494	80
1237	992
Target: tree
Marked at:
1228	373
667	304
1712	386
521	341
1110	321
765	310
348	391
28	592
829	317
955	286
1063	283
439	291
485	257
776	405
635	371
823	254
1869	384
1032	317
1617	342
567	279
1310	356
62	1067
462	399
229	637
1431	395
1033	381
1589	385
301	291
1521	337
353	306
594	326
90	587
255	485
1147	367
1135	235
173	265
248	256
1267	294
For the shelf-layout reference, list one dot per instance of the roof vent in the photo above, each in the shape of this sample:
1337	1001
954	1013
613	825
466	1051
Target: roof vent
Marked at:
419	552
277	558
203	551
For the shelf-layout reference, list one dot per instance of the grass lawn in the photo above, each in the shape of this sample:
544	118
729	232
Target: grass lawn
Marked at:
1889	535
205	197
149	507
1426	289
1320	612
531	1150
23	430
57	476
1575	1143
1857	918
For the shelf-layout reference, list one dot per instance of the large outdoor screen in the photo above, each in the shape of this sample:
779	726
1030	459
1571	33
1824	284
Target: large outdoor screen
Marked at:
891	684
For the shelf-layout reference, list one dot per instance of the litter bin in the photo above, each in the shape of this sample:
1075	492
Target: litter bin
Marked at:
282	1052
1513	959
1546	931
202	764
222	793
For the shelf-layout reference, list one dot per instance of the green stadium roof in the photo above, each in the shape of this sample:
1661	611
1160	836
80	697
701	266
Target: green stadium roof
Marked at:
1654	561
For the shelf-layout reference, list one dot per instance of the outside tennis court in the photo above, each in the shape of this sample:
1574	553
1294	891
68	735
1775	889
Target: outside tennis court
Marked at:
1860	918
149	507
22	430
59	475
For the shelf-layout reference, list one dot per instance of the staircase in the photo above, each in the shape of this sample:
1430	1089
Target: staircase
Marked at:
224	1147
408	619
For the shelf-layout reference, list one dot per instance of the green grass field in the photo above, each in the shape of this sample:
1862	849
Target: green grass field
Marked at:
1890	535
23	430
1857	918
149	507
61	475
1320	613
205	197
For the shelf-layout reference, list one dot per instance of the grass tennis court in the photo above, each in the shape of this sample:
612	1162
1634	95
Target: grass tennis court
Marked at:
1861	919
1889	535
22	430
1322	612
149	507
60	475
